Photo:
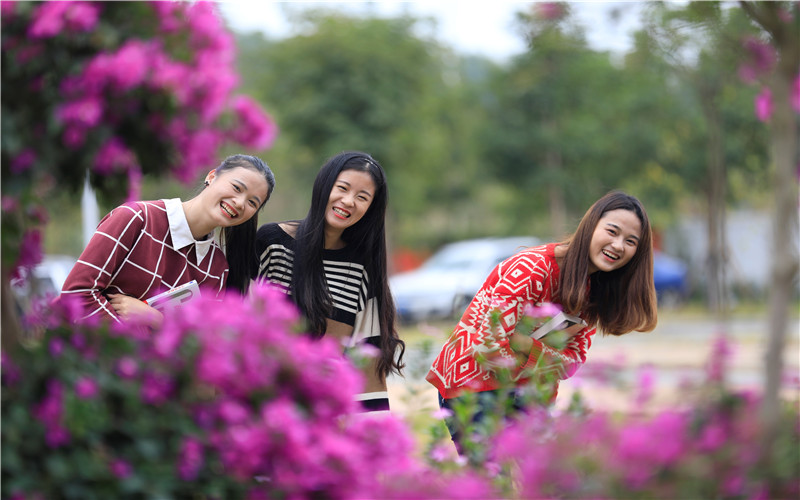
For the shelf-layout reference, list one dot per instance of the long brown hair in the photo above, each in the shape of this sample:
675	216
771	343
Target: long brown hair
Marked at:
619	301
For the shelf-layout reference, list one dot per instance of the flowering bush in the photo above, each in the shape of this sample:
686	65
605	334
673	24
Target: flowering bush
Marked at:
707	447
227	401
120	89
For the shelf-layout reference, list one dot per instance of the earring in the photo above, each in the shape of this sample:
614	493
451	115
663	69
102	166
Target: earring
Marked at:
206	183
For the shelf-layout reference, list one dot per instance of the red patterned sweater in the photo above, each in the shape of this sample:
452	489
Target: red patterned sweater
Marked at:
142	249
530	277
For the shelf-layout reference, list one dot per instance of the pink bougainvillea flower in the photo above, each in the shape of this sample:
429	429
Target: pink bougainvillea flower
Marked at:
86	388
645	386
763	105
129	65
50	18
156	388
86	111
9	203
256	129
56	347
543	310
551	11
49	412
190	459
30	253
127	367
762	54
442	413
120	468
7	9
721	352
23	161
114	156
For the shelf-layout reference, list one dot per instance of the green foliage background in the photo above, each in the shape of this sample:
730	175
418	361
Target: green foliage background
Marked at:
477	148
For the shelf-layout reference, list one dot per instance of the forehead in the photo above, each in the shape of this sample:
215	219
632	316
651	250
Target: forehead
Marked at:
254	180
358	179
626	220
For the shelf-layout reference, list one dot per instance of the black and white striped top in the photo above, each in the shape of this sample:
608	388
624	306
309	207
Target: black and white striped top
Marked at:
348	285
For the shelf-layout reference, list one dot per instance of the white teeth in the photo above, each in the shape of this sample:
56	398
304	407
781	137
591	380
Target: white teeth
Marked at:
227	211
610	255
341	212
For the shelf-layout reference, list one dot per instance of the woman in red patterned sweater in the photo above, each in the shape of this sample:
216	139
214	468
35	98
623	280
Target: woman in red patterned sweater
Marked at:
603	273
143	248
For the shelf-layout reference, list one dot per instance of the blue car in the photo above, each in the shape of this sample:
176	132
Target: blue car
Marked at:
671	279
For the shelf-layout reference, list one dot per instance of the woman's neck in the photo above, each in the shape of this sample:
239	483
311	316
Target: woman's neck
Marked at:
198	225
333	239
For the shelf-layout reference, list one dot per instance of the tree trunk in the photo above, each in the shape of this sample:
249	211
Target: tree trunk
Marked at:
555	197
717	178
784	268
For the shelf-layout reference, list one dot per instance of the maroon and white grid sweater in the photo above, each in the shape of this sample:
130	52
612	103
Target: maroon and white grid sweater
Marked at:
528	278
142	249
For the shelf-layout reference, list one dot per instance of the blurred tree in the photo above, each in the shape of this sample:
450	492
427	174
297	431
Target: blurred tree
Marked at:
698	42
115	89
775	62
555	130
376	84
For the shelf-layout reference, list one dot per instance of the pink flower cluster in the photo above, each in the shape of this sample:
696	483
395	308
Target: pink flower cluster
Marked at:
283	408
30	253
53	18
115	84
705	450
761	59
50	412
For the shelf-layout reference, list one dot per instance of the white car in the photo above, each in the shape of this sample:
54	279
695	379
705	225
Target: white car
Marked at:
445	284
45	280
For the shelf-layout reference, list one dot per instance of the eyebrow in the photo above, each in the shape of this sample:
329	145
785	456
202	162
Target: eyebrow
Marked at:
362	191
620	229
245	188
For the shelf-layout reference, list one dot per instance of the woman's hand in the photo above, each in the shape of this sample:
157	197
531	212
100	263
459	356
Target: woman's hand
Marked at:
129	308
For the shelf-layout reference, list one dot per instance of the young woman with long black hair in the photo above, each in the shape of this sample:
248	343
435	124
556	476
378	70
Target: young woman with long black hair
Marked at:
143	248
333	263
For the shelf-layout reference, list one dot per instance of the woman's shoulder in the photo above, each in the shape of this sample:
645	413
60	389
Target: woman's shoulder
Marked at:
133	210
276	232
539	253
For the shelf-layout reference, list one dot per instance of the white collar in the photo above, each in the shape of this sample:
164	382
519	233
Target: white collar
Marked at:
180	232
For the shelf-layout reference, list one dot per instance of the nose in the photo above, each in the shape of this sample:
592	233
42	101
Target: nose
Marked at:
239	202
348	200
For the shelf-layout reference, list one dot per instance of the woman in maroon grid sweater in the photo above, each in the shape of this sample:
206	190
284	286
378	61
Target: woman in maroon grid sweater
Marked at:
603	273
143	248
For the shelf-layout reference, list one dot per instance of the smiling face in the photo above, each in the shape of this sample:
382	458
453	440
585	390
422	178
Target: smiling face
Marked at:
349	200
234	196
614	241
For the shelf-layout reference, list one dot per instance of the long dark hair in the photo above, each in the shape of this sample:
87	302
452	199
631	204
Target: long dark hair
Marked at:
240	241
619	301
366	237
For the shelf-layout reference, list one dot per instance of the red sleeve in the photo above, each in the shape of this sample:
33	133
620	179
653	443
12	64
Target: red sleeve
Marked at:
106	251
563	362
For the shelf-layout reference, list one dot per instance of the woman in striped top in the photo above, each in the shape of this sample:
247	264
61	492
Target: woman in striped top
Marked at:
333	265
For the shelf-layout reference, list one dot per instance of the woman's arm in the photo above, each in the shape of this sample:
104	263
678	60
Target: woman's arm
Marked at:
110	244
130	308
523	281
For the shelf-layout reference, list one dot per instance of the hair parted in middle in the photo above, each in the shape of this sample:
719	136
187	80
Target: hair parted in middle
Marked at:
619	301
366	237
